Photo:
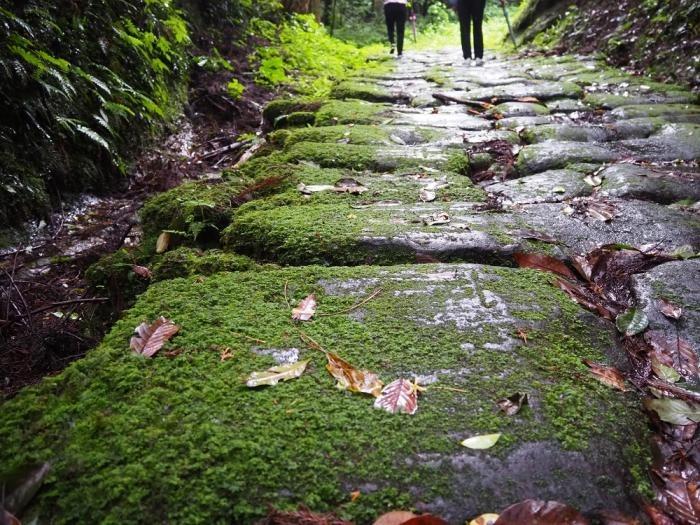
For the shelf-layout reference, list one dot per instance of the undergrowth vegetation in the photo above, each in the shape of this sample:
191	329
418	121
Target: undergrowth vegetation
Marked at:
79	87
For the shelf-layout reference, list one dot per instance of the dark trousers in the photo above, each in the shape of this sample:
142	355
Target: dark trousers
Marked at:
395	15
471	11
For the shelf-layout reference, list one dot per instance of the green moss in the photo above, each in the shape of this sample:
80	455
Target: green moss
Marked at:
184	262
278	108
371	92
439	75
373	135
134	440
351	112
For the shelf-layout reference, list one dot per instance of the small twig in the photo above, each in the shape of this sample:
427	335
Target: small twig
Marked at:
310	342
678	392
254	339
72	301
286	297
355	306
248	154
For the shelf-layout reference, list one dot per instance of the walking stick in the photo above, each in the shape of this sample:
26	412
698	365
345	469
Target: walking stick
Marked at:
510	29
412	18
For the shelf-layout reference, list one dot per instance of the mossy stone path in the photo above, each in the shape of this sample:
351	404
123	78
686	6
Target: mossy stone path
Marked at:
180	439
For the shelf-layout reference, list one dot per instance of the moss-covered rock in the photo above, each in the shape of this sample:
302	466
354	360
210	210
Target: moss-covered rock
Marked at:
180	438
184	262
372	92
351	112
278	108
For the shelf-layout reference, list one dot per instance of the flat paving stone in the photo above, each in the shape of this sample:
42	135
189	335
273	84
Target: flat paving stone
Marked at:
655	184
558	154
549	186
117	419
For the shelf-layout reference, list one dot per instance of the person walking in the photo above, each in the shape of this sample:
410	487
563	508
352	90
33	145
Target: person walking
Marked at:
395	14
472	12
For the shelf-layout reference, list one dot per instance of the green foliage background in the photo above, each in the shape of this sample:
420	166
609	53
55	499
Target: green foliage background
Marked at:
79	86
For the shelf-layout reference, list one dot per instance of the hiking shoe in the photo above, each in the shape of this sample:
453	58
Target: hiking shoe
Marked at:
479	62
391	51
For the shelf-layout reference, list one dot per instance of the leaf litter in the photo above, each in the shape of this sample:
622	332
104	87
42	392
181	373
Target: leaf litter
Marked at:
148	339
306	309
607	375
511	405
275	374
399	396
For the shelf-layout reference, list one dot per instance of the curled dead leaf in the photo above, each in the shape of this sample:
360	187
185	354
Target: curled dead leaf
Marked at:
545	263
426	195
435	219
306	309
669	309
395	517
511	405
607	375
148	339
536	512
349	185
163	242
680	497
399	396
349	378
142	271
674	352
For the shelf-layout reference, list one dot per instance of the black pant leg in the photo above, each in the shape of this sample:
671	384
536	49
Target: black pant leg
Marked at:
389	17
400	26
478	17
463	11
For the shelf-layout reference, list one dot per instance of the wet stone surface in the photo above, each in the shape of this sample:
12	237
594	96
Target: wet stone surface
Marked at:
385	175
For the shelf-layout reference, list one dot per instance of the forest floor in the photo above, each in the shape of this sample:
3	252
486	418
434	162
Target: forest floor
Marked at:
525	229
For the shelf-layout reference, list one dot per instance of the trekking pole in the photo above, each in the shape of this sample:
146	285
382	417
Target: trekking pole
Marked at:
510	29
412	18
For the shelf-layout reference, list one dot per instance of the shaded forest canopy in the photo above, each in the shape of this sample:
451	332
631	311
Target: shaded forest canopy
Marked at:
85	85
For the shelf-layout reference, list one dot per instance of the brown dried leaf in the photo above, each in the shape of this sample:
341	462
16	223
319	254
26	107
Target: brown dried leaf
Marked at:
606	374
349	378
528	99
151	338
536	512
511	405
613	517
601	211
579	295
484	519
680	498
669	309
537	236
425	519
350	185
306	309
544	263
673	352
395	517
142	271
398	396
656	516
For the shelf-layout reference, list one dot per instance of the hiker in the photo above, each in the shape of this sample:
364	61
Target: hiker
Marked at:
472	11
395	14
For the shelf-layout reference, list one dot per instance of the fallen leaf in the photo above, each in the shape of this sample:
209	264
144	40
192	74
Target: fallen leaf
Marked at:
8	519
680	497
484	519
606	374
546	263
435	219
142	271
601	211
674	352
558	189
225	354
536	512
511	405
21	487
656	516
674	411
425	519
662	371
306	309
163	242
613	517
398	396
355	495
274	375
528	99
632	322
578	294
669	309
535	235
151	338
593	180
349	378
481	442
426	195
349	185
314	188
395	517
